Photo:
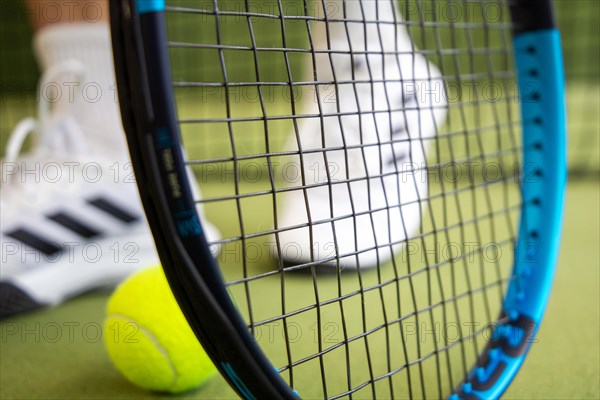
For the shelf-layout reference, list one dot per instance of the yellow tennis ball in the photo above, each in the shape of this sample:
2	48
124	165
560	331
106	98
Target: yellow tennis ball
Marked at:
148	338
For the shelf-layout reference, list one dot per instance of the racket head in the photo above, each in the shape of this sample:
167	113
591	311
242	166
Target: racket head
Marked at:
154	134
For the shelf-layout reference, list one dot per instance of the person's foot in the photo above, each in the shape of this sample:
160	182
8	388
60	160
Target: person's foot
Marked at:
71	217
374	139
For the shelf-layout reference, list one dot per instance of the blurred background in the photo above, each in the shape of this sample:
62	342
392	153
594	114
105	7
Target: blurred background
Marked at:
565	364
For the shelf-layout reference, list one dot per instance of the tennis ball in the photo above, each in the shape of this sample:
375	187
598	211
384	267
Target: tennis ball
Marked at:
148	338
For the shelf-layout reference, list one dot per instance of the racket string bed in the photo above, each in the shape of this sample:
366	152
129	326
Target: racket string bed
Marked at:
474	153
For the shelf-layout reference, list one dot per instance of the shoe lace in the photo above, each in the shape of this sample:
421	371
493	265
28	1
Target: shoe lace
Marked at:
56	136
42	127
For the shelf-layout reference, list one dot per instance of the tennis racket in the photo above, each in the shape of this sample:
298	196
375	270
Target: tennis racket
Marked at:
387	178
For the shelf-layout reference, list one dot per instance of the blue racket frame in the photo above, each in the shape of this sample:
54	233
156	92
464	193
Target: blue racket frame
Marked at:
540	75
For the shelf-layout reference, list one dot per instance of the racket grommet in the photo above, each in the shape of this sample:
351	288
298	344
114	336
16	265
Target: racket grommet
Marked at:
494	354
467	388
534	234
480	374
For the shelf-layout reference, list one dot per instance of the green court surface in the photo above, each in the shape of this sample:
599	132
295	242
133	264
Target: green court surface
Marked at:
59	353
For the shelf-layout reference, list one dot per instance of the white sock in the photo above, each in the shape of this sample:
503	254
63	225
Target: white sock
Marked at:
94	104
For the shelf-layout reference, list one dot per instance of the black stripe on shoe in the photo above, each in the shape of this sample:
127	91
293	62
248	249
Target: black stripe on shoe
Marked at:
114	210
14	301
34	241
73	224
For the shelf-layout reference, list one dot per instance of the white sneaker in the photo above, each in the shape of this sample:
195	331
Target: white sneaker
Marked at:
371	201
71	219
